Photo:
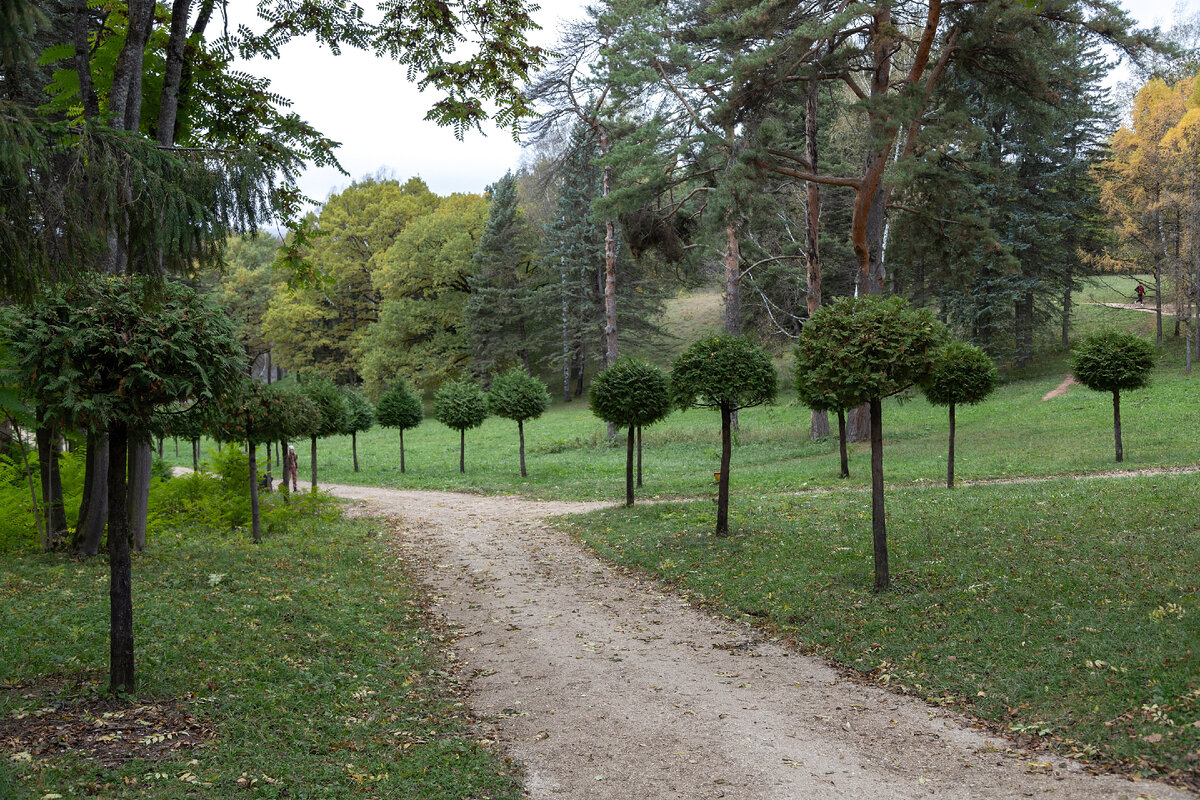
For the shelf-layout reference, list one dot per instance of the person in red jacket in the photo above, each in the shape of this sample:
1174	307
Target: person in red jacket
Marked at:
1141	292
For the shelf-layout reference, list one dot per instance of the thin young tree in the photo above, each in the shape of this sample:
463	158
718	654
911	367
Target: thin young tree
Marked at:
400	408
630	393
518	396
870	348
727	373
461	406
360	416
1115	362
960	374
331	413
121	351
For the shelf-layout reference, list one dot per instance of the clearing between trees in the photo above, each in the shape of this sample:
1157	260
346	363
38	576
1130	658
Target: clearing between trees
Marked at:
605	686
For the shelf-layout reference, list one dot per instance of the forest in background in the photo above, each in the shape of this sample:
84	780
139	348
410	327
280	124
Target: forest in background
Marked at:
693	157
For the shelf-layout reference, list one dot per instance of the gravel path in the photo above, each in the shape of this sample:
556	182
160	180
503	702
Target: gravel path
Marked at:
605	687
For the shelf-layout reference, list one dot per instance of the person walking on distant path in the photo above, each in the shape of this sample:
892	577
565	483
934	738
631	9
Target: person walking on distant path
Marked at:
1141	292
289	468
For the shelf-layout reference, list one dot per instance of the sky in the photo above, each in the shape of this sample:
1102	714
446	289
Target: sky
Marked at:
365	103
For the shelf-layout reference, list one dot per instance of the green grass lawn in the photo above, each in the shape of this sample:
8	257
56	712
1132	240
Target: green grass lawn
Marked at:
307	666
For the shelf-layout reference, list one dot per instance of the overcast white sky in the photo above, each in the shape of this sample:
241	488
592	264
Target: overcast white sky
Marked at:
365	103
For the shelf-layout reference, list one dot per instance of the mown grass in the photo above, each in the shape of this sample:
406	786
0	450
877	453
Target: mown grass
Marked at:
310	657
1068	608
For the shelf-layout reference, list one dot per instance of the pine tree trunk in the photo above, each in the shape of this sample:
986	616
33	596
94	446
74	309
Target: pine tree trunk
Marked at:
521	436
733	279
723	483
120	591
354	448
255	521
819	426
858	424
140	461
842	443
629	467
639	456
402	451
950	457
1117	425
93	511
566	329
878	522
1066	307
313	463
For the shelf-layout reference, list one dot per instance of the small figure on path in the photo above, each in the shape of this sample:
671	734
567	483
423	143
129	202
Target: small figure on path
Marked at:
289	468
1141	292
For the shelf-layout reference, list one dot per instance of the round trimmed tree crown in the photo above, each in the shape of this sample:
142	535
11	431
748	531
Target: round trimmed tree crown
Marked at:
630	393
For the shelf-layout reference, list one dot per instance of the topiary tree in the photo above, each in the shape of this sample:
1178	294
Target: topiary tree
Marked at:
360	416
109	353
461	406
630	393
817	388
331	413
1113	362
256	413
960	373
518	396
727	373
400	407
861	350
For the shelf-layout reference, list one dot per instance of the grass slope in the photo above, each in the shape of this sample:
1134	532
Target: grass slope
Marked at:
309	658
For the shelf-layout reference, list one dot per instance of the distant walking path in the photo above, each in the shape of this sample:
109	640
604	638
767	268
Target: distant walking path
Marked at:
1167	309
604	686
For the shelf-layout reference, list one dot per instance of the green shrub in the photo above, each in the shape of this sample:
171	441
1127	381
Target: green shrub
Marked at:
518	396
460	406
1111	361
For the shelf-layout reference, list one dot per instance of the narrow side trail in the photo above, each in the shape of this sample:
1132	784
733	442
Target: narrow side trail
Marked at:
606	687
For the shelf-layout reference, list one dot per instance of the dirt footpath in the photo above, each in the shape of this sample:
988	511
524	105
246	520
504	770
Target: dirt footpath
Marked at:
605	687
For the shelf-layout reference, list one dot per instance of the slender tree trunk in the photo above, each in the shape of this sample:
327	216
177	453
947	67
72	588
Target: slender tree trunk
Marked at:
723	483
195	455
639	456
841	412
566	329
1066	307
610	265
878	522
1117	425
812	237
950	458
255	521
51	479
521	436
313	463
733	278
140	460
402	451
629	467
354	448
462	450
42	530
120	590
93	512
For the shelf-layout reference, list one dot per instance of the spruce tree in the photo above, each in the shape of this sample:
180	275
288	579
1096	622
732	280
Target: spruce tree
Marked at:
499	310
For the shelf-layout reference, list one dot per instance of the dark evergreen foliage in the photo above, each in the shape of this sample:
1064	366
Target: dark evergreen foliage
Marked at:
630	394
461	406
727	373
861	350
518	396
1113	362
960	374
401	408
